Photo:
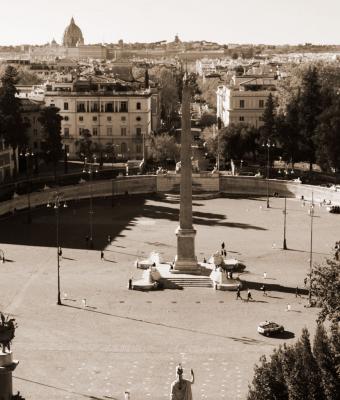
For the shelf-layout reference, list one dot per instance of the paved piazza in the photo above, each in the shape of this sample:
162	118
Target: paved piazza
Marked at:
129	340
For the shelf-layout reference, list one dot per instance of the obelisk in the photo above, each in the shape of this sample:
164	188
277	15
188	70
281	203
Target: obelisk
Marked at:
186	261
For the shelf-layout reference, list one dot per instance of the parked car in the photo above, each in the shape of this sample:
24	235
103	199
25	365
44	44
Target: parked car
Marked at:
268	328
334	209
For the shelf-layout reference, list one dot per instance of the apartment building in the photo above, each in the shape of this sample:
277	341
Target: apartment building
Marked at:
243	101
116	116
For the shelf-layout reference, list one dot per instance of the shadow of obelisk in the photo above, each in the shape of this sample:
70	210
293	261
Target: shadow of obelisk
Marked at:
186	260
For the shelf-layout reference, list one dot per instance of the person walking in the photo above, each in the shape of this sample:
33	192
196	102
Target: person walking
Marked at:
249	296
238	293
222	245
297	292
60	252
109	239
265	275
305	281
263	288
87	241
102	255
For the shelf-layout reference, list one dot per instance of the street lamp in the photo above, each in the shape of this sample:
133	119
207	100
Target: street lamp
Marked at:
89	168
28	154
311	213
56	204
269	145
284	225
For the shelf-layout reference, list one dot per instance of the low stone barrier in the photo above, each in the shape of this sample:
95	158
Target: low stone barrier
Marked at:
143	184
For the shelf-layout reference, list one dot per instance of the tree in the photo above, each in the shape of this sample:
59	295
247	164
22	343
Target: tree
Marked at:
169	97
207	120
324	355
327	137
12	126
268	129
50	119
85	144
288	131
238	140
326	289
164	148
296	372
146	79
309	111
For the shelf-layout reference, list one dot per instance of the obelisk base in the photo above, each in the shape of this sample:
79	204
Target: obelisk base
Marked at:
7	365
185	260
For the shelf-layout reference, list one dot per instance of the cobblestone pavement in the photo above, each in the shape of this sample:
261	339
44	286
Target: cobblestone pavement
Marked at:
128	340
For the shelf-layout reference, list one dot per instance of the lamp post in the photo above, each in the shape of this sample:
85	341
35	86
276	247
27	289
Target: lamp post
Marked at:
284	225
28	154
89	168
56	204
269	145
311	213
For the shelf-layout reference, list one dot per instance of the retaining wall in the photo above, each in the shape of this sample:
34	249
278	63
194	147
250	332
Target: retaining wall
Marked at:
143	184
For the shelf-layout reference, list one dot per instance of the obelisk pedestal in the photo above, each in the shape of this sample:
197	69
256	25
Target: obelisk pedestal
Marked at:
186	260
7	365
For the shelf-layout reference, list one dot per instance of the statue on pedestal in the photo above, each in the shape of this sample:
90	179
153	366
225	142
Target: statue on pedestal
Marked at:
181	388
7	331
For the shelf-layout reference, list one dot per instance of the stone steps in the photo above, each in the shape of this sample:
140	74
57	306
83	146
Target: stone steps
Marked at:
188	282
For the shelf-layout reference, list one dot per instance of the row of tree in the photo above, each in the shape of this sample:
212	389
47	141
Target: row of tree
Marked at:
305	118
297	372
13	126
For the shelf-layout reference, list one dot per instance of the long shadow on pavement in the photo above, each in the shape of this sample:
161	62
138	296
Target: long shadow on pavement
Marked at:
272	287
108	219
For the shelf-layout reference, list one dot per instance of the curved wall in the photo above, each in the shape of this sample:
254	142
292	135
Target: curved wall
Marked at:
143	184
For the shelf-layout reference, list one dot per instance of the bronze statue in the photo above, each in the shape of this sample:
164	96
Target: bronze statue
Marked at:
7	330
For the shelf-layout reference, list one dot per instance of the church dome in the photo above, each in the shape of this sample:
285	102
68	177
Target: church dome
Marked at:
72	35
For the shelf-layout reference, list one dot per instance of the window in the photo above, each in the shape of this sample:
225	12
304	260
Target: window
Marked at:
35	132
66	132
241	119
94	106
109	119
35	145
138	106
261	103
65	106
123	147
81	118
138	118
67	148
241	103
123	119
260	118
123	106
109	131
109	107
95	131
94	118
123	131
81	107
66	118
138	148
81	131
138	131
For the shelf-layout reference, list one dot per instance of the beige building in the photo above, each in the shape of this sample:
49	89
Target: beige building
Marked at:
6	161
243	101
115	118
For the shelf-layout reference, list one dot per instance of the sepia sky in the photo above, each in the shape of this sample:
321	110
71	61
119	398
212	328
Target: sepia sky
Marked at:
223	21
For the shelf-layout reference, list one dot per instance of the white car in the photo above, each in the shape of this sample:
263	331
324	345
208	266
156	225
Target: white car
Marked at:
268	328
